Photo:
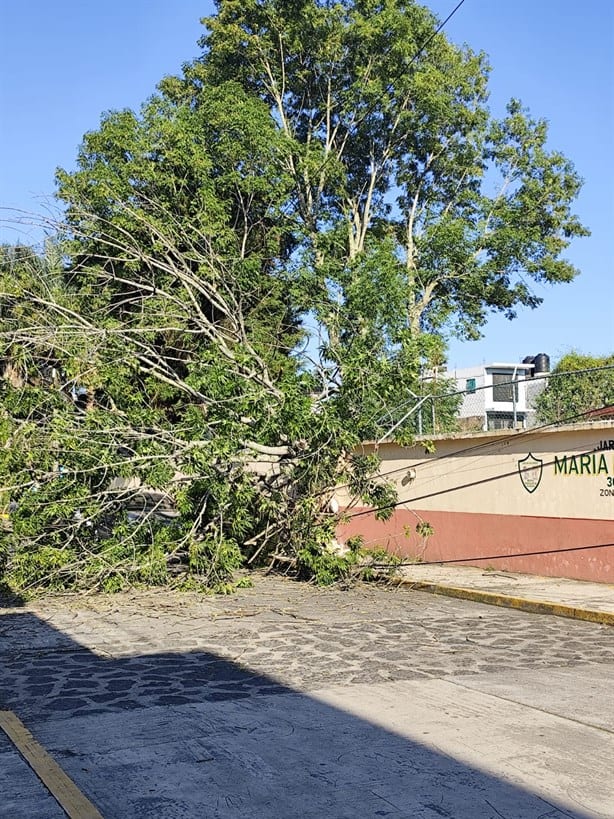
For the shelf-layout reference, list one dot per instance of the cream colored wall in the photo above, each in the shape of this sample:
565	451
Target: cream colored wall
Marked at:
479	473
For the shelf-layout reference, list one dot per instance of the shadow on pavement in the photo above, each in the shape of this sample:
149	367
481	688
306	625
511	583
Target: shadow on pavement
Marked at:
194	735
9	598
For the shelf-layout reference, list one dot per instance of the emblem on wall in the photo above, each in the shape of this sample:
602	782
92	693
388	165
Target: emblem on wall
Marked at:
530	470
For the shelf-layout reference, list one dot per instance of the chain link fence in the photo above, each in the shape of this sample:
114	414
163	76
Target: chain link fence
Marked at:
497	399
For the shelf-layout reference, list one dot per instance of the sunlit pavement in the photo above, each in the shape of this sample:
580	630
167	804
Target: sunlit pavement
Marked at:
288	701
577	599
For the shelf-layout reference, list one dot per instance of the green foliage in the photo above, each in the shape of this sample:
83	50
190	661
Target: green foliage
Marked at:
48	567
354	563
252	272
425	529
578	384
408	192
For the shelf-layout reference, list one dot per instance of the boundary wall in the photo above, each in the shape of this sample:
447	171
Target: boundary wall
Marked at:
539	501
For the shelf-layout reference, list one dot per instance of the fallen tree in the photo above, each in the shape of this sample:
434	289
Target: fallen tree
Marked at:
127	453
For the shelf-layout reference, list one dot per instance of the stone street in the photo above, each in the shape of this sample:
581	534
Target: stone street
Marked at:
286	700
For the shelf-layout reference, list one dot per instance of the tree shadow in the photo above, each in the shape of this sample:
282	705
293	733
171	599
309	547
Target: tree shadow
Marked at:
9	598
193	735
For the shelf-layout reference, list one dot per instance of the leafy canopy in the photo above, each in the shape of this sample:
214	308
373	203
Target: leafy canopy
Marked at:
578	384
395	160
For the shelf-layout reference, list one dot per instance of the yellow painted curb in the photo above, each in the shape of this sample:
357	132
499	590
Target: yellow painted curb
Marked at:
57	782
507	601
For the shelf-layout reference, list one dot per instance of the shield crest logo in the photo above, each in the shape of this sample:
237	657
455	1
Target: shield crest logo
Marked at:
530	470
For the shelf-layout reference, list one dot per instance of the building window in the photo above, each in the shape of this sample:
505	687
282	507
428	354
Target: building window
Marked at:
504	390
505	420
470	385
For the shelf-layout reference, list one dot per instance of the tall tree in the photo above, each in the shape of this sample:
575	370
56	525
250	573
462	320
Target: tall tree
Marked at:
395	158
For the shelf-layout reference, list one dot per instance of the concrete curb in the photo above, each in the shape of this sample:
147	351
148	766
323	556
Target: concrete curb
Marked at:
508	601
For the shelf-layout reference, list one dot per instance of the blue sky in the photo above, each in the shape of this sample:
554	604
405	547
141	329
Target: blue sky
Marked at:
63	63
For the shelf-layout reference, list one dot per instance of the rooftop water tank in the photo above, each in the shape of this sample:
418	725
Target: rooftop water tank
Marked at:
541	364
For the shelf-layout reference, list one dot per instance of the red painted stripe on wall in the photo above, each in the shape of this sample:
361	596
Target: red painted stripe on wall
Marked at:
469	537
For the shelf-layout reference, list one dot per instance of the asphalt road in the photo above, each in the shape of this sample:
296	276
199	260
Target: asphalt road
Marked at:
289	701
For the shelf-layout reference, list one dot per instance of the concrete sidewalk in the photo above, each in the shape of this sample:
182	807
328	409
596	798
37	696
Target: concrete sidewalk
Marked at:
577	599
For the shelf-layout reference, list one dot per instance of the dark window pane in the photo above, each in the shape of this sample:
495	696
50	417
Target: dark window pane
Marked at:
503	389
500	420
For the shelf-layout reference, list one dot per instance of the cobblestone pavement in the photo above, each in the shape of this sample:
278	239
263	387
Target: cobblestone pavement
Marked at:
92	655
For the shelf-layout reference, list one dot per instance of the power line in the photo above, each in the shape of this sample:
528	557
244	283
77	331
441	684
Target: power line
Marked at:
399	74
534	379
493	557
473	448
418	53
434	34
473	558
429	495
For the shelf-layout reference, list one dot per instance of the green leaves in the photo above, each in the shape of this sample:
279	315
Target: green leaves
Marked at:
578	384
405	190
253	272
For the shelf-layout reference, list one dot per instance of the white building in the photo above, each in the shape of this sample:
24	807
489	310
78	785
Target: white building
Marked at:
500	395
